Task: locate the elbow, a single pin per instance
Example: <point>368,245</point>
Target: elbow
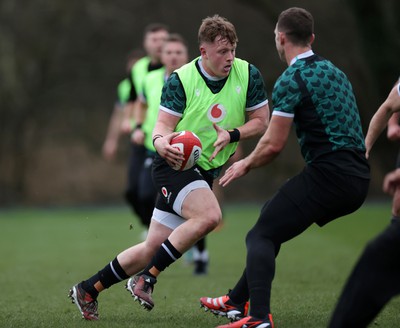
<point>262,126</point>
<point>275,150</point>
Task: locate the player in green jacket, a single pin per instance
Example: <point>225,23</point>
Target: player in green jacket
<point>223,100</point>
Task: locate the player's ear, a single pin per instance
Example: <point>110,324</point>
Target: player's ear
<point>281,38</point>
<point>203,51</point>
<point>312,38</point>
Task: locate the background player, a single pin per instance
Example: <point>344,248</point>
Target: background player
<point>155,35</point>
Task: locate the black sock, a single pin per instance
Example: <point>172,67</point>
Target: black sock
<point>111,274</point>
<point>240,293</point>
<point>166,255</point>
<point>201,244</point>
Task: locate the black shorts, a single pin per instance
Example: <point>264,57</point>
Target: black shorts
<point>173,186</point>
<point>315,195</point>
<point>323,195</point>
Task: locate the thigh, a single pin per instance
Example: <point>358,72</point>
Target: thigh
<point>324,195</point>
<point>307,198</point>
<point>201,203</point>
<point>280,220</point>
<point>341,196</point>
<point>166,217</point>
<point>174,186</point>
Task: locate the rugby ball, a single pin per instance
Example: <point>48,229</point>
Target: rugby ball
<point>190,145</point>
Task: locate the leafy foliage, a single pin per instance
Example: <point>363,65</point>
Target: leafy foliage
<point>60,62</point>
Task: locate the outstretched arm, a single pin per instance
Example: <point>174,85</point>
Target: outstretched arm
<point>380,120</point>
<point>268,147</point>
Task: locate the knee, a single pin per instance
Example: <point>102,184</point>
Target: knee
<point>252,236</point>
<point>257,239</point>
<point>211,220</point>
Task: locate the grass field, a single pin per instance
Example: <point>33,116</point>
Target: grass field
<point>43,252</point>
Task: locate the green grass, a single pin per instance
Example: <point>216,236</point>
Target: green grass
<point>43,252</point>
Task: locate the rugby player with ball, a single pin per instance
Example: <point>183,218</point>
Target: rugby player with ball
<point>220,98</point>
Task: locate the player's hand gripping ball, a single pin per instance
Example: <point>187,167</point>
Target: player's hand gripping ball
<point>190,145</point>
